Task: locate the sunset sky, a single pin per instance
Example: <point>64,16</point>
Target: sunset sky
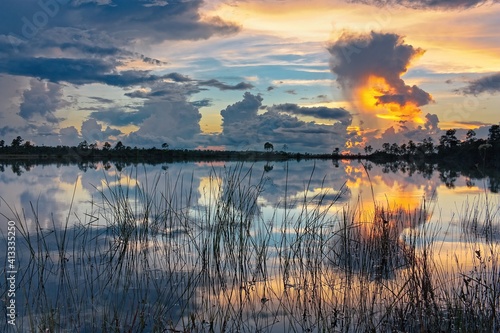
<point>311,75</point>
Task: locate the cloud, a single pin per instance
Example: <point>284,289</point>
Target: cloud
<point>177,77</point>
<point>490,83</point>
<point>132,20</point>
<point>202,103</point>
<point>102,100</point>
<point>245,128</point>
<point>85,42</point>
<point>165,116</point>
<point>172,121</point>
<point>170,91</point>
<point>241,111</point>
<point>321,112</point>
<point>92,131</point>
<point>75,71</point>
<point>390,135</point>
<point>431,123</point>
<point>357,57</point>
<point>222,86</point>
<point>42,99</point>
<point>69,136</point>
<point>428,4</point>
<point>119,117</point>
<point>369,69</point>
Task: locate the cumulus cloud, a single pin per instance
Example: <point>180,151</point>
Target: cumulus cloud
<point>244,127</point>
<point>69,136</point>
<point>92,131</point>
<point>165,116</point>
<point>357,57</point>
<point>42,99</point>
<point>490,84</point>
<point>321,112</point>
<point>241,111</point>
<point>432,122</point>
<point>428,4</point>
<point>83,42</point>
<point>169,121</point>
<point>11,88</point>
<point>369,69</point>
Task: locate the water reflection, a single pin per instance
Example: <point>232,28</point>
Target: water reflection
<point>46,191</point>
<point>236,246</point>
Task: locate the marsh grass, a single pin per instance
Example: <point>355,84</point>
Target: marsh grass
<point>156,256</point>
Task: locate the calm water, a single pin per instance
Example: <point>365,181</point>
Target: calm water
<point>290,194</point>
<point>49,190</point>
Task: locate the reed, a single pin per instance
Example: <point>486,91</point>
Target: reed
<point>157,257</point>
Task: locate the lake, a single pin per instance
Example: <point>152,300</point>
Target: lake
<point>228,246</point>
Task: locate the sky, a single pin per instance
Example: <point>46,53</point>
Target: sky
<point>307,76</point>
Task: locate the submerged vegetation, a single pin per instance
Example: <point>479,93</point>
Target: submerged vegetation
<point>148,259</point>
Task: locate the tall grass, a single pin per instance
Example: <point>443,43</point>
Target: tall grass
<point>157,257</point>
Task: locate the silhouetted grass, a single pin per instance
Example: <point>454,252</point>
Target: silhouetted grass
<point>156,257</point>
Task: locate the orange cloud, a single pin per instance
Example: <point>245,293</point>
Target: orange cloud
<point>369,69</point>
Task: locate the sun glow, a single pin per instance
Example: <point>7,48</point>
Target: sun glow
<point>370,94</point>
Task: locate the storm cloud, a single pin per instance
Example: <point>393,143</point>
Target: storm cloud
<point>369,68</point>
<point>355,58</point>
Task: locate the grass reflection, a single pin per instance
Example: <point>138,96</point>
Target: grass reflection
<point>152,256</point>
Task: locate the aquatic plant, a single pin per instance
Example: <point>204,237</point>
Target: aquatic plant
<point>152,256</point>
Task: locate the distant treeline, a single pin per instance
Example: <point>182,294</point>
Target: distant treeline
<point>449,152</point>
<point>91,152</point>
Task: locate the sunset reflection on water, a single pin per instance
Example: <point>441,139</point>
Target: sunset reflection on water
<point>267,247</point>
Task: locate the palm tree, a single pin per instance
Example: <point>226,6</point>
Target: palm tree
<point>494,134</point>
<point>268,146</point>
<point>17,142</point>
<point>119,146</point>
<point>83,145</point>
